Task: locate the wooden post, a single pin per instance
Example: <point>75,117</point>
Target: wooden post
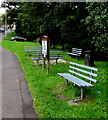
<point>56,61</point>
<point>44,62</point>
<point>48,55</point>
<point>46,51</point>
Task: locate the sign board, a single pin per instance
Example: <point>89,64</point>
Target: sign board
<point>46,51</point>
<point>44,46</point>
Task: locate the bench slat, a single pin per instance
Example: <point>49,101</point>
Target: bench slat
<point>75,54</point>
<point>79,52</point>
<point>36,58</point>
<point>55,51</point>
<point>38,52</point>
<point>59,57</point>
<point>79,49</point>
<point>40,58</point>
<point>39,55</point>
<point>69,53</point>
<point>56,54</point>
<point>93,74</point>
<point>32,48</point>
<point>75,80</point>
<point>91,68</point>
<point>93,80</point>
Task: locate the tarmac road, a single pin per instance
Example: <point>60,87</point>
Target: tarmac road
<point>16,99</point>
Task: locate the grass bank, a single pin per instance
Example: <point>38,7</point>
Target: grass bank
<point>51,94</point>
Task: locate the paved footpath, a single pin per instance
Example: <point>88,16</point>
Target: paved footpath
<point>0,77</point>
<point>16,98</point>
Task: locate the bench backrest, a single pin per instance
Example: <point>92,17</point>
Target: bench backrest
<point>83,71</point>
<point>52,54</point>
<point>37,54</point>
<point>32,48</point>
<point>77,51</point>
<point>56,53</point>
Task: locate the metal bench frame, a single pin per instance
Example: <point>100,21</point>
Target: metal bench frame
<point>77,69</point>
<point>75,52</point>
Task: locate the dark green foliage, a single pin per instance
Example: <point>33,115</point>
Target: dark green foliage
<point>97,26</point>
<point>67,24</point>
<point>60,21</point>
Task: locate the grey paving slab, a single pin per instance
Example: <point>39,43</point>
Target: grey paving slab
<point>17,101</point>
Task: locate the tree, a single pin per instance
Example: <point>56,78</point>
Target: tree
<point>59,20</point>
<point>12,10</point>
<point>97,25</point>
<point>30,19</point>
<point>72,31</point>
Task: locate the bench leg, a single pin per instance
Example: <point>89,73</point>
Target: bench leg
<point>44,63</point>
<point>37,62</point>
<point>28,54</point>
<point>56,61</point>
<point>66,82</point>
<point>81,93</point>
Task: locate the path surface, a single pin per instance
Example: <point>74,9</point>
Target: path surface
<point>16,98</point>
<point>0,77</point>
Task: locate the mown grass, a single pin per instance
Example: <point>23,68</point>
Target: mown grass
<point>46,88</point>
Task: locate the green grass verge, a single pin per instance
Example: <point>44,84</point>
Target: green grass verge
<point>10,35</point>
<point>46,89</point>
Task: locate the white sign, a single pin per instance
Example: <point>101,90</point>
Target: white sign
<point>44,47</point>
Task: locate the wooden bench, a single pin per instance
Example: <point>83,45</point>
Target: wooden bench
<point>75,52</point>
<point>53,55</point>
<point>82,71</point>
<point>32,49</point>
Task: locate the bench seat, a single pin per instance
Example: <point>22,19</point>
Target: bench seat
<point>56,57</point>
<point>77,81</point>
<point>36,58</point>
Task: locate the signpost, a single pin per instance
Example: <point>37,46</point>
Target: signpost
<point>44,46</point>
<point>45,51</point>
